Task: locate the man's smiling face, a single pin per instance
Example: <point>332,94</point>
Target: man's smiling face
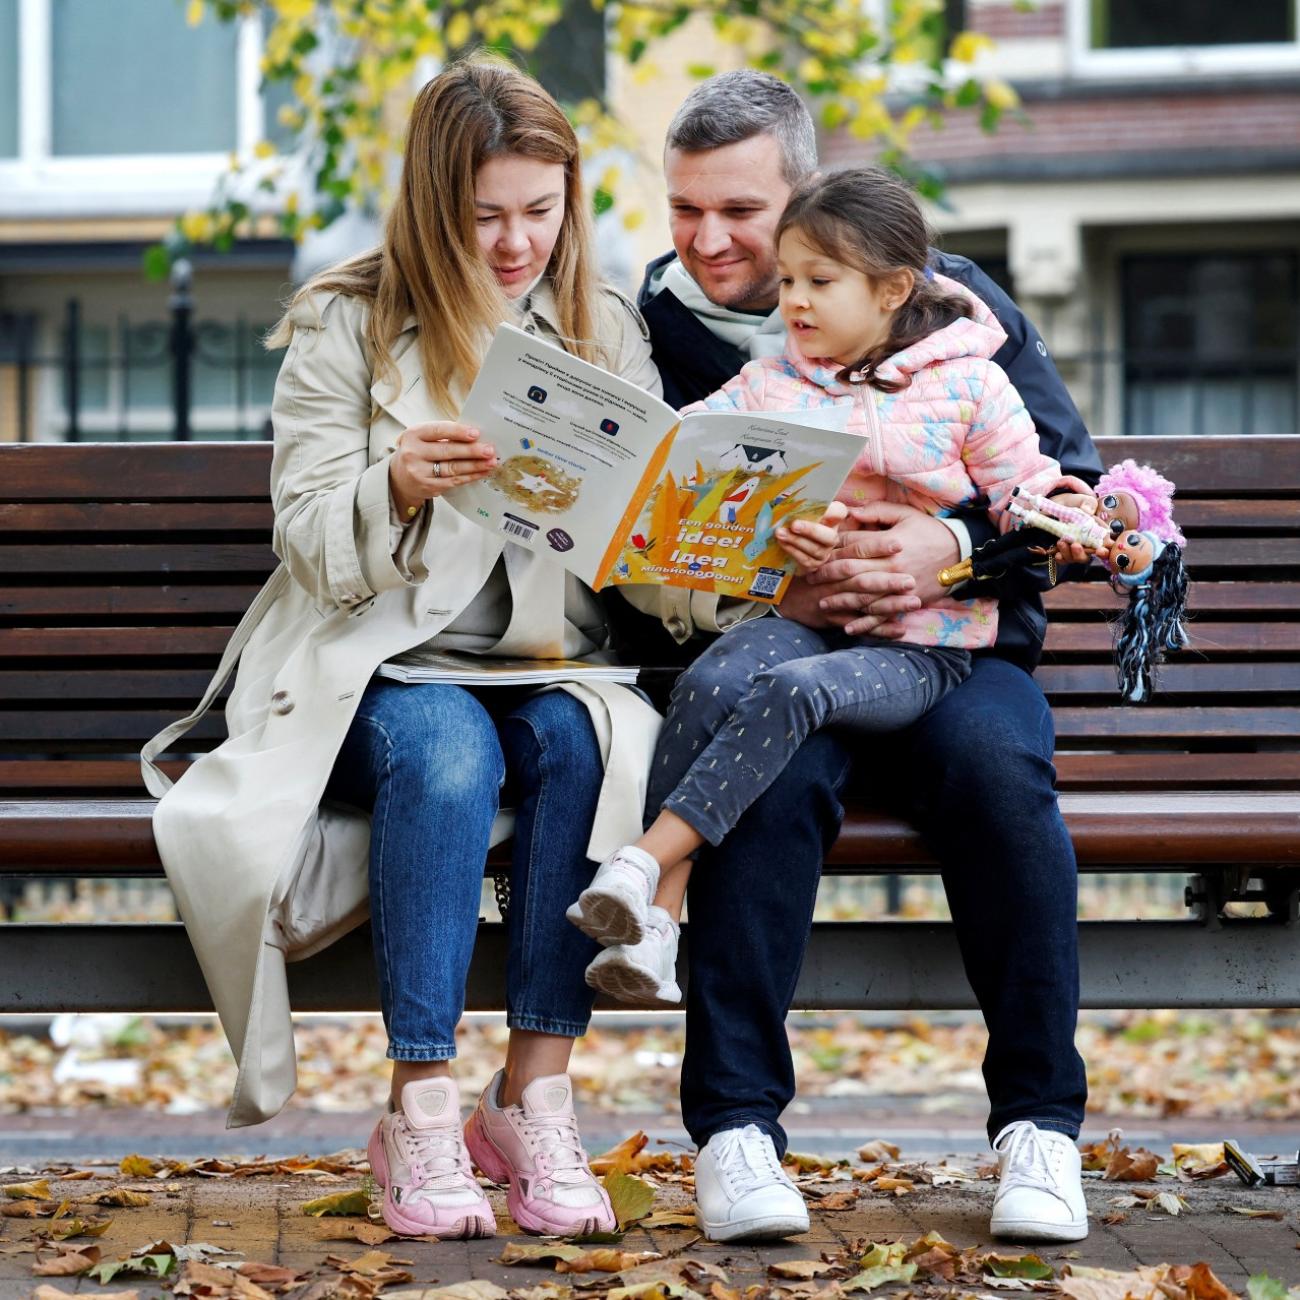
<point>723,206</point>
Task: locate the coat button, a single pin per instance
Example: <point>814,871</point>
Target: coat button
<point>677,625</point>
<point>282,703</point>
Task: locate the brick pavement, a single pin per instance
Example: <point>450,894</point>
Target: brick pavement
<point>262,1218</point>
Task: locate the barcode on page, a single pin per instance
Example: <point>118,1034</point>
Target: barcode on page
<point>766,582</point>
<point>517,529</point>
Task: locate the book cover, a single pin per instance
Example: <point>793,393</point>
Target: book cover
<point>604,477</point>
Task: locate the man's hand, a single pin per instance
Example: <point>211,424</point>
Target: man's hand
<point>888,566</point>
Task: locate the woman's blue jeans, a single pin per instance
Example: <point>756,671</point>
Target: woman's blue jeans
<point>431,763</point>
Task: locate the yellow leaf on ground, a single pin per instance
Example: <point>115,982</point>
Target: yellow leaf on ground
<point>1200,1160</point>
<point>605,1260</point>
<point>671,1219</point>
<point>115,1196</point>
<point>69,1262</point>
<point>135,1166</point>
<point>47,1292</point>
<point>37,1191</point>
<point>353,1202</point>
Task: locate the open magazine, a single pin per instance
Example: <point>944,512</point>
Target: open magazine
<point>455,669</point>
<point>609,480</point>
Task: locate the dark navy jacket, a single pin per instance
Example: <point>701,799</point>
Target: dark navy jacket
<point>694,362</point>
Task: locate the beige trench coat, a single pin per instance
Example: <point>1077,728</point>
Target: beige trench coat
<point>261,871</point>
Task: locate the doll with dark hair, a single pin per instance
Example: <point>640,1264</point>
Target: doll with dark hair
<point>1129,524</point>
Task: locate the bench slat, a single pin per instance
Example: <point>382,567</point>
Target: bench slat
<point>1239,597</point>
<point>184,684</point>
<point>1207,637</point>
<point>127,729</point>
<point>164,471</point>
<point>89,835</point>
<point>125,643</point>
<point>1263,465</point>
<point>1249,676</point>
<point>108,602</point>
<point>1097,725</point>
<point>171,558</point>
<point>137,517</point>
<point>1075,771</point>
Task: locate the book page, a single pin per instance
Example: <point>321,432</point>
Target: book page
<point>732,478</point>
<point>577,447</point>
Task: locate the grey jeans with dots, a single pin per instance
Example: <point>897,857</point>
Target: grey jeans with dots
<point>743,708</point>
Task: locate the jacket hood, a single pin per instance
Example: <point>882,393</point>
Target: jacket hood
<point>976,335</point>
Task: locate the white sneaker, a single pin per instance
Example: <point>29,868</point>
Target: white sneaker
<point>641,972</point>
<point>1040,1193</point>
<point>741,1191</point>
<point>613,908</point>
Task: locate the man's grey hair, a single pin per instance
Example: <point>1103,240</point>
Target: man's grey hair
<point>736,106</point>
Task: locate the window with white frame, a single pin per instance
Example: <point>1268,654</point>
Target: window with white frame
<point>1115,37</point>
<point>108,107</point>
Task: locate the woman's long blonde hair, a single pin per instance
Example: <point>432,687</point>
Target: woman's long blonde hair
<point>429,265</point>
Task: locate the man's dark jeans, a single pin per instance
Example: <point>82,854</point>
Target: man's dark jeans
<point>975,775</point>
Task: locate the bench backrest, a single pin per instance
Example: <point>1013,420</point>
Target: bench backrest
<point>124,568</point>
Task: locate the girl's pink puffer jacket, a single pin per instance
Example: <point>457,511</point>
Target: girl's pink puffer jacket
<point>957,435</point>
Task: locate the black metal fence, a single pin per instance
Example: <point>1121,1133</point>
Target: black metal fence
<point>187,378</point>
<point>171,380</point>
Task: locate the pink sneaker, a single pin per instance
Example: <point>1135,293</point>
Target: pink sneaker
<point>417,1155</point>
<point>535,1148</point>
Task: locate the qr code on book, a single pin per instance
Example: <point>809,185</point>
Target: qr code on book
<point>766,581</point>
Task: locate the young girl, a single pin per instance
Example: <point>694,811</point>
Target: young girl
<point>871,328</point>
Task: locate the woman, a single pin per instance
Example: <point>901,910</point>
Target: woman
<point>266,840</point>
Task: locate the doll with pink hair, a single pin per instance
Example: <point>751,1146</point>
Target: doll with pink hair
<point>1129,524</point>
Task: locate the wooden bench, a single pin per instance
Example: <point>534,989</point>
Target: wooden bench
<point>123,569</point>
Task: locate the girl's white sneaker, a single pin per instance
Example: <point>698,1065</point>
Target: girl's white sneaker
<point>613,908</point>
<point>642,972</point>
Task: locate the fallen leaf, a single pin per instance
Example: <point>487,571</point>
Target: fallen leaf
<point>1026,1266</point>
<point>878,1151</point>
<point>802,1270</point>
<point>27,1209</point>
<point>605,1261</point>
<point>275,1277</point>
<point>71,1261</point>
<point>899,1186</point>
<point>47,1292</point>
<point>37,1191</point>
<point>515,1252</point>
<point>1114,1218</point>
<point>671,1219</point>
<point>630,1198</point>
<point>474,1289</point>
<point>135,1166</point>
<point>1168,1202</point>
<point>808,1164</point>
<point>372,1234</point>
<point>838,1201</point>
<point>619,1159</point>
<point>115,1196</point>
<point>1247,1213</point>
<point>61,1229</point>
<point>153,1264</point>
<point>1263,1287</point>
<point>353,1202</point>
<point>1198,1161</point>
<point>870,1278</point>
<point>1127,1166</point>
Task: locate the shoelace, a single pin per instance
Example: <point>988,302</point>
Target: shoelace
<point>436,1157</point>
<point>556,1140</point>
<point>748,1160</point>
<point>1031,1162</point>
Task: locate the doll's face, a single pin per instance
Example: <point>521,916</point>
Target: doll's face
<point>1131,553</point>
<point>1118,511</point>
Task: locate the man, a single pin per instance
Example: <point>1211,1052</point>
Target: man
<point>975,775</point>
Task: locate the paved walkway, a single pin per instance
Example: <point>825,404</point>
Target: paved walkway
<point>261,1218</point>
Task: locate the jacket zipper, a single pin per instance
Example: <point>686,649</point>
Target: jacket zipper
<point>873,426</point>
